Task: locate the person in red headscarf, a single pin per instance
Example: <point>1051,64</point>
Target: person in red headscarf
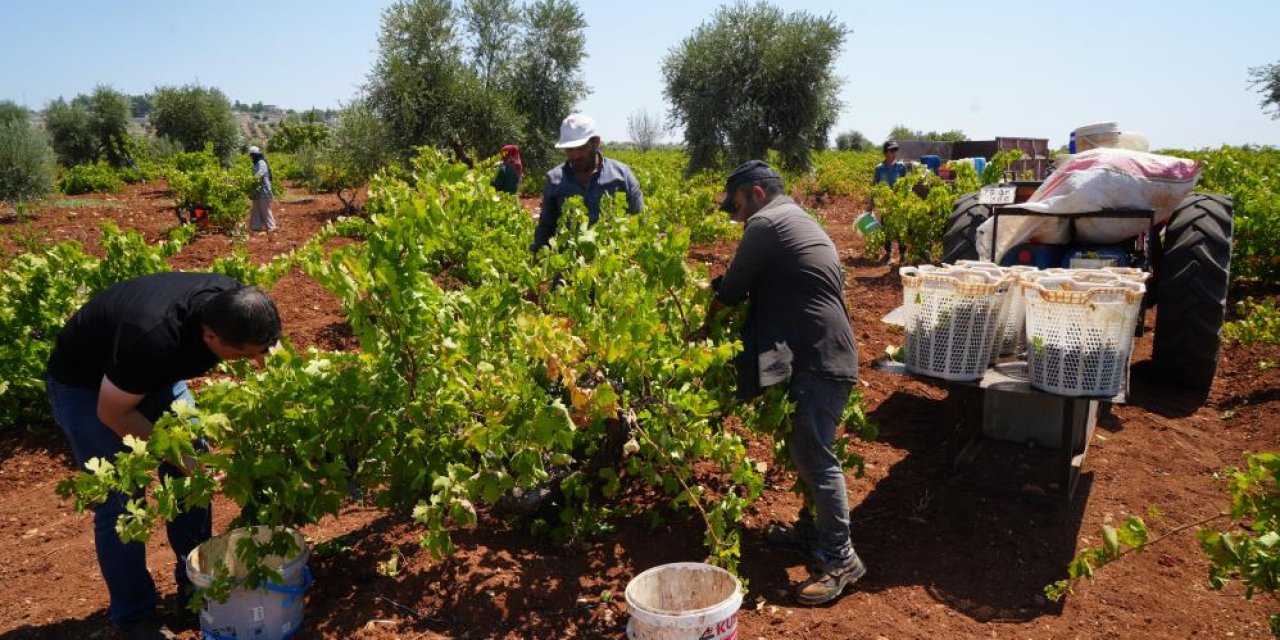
<point>511,172</point>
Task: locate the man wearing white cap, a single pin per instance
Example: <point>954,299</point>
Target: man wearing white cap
<point>586,174</point>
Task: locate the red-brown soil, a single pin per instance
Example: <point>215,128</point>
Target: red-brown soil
<point>943,562</point>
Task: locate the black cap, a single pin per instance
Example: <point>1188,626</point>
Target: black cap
<point>889,145</point>
<point>749,172</point>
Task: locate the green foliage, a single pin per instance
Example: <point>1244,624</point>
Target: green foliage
<point>109,125</point>
<point>69,133</point>
<point>913,213</point>
<point>901,132</point>
<point>477,375</point>
<point>1266,79</point>
<point>198,180</point>
<point>424,92</point>
<point>546,76</point>
<point>853,141</point>
<point>837,174</point>
<point>90,128</point>
<point>97,177</point>
<point>1132,535</point>
<point>754,79</point>
<point>357,149</point>
<point>1249,553</point>
<point>194,117</point>
<point>1248,175</point>
<point>995,169</point>
<point>1259,323</point>
<point>291,137</point>
<point>11,111</point>
<point>26,162</point>
<point>40,290</point>
<point>450,77</point>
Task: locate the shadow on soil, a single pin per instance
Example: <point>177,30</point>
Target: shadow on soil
<point>1149,393</point>
<point>501,582</point>
<point>92,627</point>
<point>985,556</point>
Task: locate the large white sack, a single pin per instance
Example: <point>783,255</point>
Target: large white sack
<point>1091,181</point>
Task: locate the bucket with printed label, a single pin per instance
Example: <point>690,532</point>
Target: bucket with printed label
<point>684,601</point>
<point>273,611</point>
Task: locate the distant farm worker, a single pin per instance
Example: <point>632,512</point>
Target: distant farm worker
<point>888,172</point>
<point>797,332</point>
<point>585,173</point>
<point>260,218</point>
<point>891,169</point>
<point>118,365</point>
<point>510,172</point>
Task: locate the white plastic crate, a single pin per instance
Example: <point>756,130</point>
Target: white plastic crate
<point>1080,333</point>
<point>951,318</point>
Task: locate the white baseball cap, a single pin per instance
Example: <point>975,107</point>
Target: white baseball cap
<point>576,130</point>
<point>254,150</point>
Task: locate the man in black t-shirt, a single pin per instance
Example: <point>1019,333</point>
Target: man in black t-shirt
<point>119,363</point>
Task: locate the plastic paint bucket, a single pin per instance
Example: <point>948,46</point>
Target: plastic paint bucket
<point>270,612</point>
<point>684,601</point>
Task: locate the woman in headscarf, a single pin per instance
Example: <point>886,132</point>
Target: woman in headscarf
<point>511,172</point>
<point>260,218</point>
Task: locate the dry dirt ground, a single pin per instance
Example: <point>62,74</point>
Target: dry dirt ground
<point>943,561</point>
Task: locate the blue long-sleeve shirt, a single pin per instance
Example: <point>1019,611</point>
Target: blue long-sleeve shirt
<point>889,173</point>
<point>612,177</point>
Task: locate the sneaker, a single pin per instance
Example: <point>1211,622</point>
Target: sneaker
<point>826,584</point>
<point>801,540</point>
<point>148,628</point>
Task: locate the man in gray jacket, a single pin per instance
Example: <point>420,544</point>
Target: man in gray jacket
<point>797,331</point>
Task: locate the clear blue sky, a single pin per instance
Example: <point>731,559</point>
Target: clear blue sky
<point>1173,69</point>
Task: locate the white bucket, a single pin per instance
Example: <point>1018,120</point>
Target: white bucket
<point>270,612</point>
<point>684,601</point>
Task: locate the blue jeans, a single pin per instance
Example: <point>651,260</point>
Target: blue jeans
<point>819,405</point>
<point>124,566</point>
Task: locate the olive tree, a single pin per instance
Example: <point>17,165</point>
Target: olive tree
<point>11,111</point>
<point>852,141</point>
<point>450,76</point>
<point>547,79</point>
<point>90,128</point>
<point>753,79</point>
<point>109,124</point>
<point>193,116</point>
<point>68,127</point>
<point>902,132</point>
<point>357,148</point>
<point>26,162</point>
<point>1266,79</point>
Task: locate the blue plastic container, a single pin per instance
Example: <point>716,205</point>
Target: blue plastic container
<point>933,162</point>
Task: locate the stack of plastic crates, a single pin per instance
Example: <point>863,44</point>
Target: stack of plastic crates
<point>952,317</point>
<point>1080,331</point>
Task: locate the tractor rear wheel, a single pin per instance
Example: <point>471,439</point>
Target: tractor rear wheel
<point>1191,291</point>
<point>960,235</point>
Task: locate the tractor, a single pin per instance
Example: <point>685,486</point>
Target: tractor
<point>1189,258</point>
